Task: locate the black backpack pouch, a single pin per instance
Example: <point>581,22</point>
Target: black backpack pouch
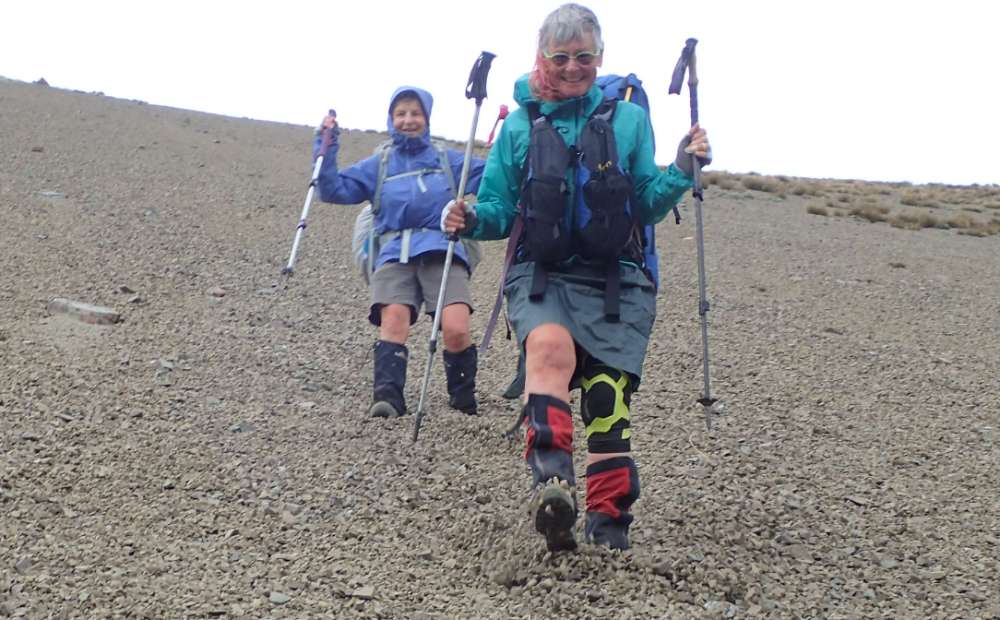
<point>606,193</point>
<point>545,195</point>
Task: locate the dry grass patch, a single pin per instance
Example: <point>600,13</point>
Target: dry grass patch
<point>722,180</point>
<point>872,213</point>
<point>981,229</point>
<point>916,221</point>
<point>805,189</point>
<point>759,183</point>
<point>920,198</point>
<point>816,210</point>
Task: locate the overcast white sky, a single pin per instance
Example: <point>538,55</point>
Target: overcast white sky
<point>875,90</point>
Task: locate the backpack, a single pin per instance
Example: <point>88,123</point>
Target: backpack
<point>364,236</point>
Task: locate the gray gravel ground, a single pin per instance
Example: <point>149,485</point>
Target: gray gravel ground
<point>209,456</point>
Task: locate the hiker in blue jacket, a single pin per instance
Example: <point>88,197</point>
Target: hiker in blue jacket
<point>410,261</point>
<point>580,295</point>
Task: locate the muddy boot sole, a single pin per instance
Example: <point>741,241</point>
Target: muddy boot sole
<point>383,409</point>
<point>555,515</point>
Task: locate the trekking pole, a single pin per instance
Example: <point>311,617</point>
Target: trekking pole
<point>324,146</point>
<point>687,63</point>
<point>475,89</point>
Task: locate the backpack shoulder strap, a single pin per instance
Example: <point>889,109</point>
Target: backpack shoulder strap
<point>442,151</point>
<point>382,151</point>
<point>606,110</point>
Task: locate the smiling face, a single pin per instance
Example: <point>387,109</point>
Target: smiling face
<point>571,67</point>
<point>408,117</point>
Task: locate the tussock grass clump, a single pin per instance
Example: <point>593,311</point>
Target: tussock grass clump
<point>960,220</point>
<point>982,229</point>
<point>816,210</point>
<point>872,213</point>
<point>918,198</point>
<point>916,221</point>
<point>722,180</point>
<point>757,183</point>
<point>805,189</point>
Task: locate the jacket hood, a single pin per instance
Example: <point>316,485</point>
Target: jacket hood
<point>426,101</point>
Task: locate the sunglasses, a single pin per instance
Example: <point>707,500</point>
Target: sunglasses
<point>561,59</point>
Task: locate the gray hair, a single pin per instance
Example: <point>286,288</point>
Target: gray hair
<point>568,22</point>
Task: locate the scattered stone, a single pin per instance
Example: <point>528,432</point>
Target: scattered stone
<point>365,593</point>
<point>23,565</point>
<point>279,598</point>
<point>87,313</point>
<point>216,291</point>
<point>801,553</point>
<point>857,500</point>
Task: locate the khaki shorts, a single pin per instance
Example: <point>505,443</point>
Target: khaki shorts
<point>416,283</point>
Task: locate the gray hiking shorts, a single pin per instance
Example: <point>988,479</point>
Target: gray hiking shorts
<point>416,283</point>
<point>574,298</point>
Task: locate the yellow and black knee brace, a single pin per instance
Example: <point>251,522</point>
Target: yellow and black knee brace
<point>607,395</point>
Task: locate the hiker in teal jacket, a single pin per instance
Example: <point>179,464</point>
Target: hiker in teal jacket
<point>574,329</point>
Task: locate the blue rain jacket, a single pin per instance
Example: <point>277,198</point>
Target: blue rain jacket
<point>412,201</point>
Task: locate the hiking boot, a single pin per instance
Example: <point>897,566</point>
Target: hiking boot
<point>390,377</point>
<point>384,409</point>
<point>603,529</point>
<point>460,371</point>
<point>554,508</point>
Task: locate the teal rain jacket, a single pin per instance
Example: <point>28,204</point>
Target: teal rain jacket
<point>500,190</point>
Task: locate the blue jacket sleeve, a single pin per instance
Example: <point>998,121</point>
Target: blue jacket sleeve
<point>350,186</point>
<point>476,167</point>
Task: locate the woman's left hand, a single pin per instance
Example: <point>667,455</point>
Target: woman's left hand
<point>699,145</point>
<point>694,143</point>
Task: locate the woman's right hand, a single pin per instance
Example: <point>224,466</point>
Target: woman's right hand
<point>457,216</point>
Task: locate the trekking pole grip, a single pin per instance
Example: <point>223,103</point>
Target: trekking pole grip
<point>686,64</point>
<point>476,88</point>
<point>324,145</point>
